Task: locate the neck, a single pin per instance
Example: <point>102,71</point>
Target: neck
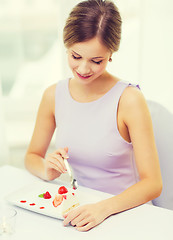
<point>95,86</point>
<point>93,90</point>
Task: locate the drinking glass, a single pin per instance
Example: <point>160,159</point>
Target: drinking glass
<point>7,220</point>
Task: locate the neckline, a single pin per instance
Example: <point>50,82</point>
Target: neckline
<point>91,102</point>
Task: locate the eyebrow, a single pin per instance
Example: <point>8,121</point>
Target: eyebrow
<point>81,56</point>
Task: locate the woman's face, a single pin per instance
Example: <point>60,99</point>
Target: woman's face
<point>88,60</point>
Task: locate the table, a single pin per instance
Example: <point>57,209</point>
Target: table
<point>144,222</point>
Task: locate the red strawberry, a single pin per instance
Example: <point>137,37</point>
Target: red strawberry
<point>62,190</point>
<point>46,195</point>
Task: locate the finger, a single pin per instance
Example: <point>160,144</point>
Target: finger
<point>57,162</point>
<point>55,167</point>
<point>79,220</point>
<point>85,228</point>
<point>70,216</point>
<point>57,158</point>
<point>66,149</point>
<point>63,152</point>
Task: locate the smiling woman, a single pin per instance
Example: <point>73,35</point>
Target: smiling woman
<point>103,125</point>
<point>31,37</point>
<point>32,57</point>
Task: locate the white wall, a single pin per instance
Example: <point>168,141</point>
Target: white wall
<point>157,51</point>
<point>3,143</point>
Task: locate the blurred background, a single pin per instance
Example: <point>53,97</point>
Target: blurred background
<point>32,57</point>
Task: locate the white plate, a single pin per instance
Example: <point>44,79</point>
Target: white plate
<point>30,195</point>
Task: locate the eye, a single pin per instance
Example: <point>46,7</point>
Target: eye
<point>97,62</point>
<point>73,56</point>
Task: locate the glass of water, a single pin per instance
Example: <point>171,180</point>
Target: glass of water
<point>7,220</point>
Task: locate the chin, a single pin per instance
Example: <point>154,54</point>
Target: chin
<point>84,80</point>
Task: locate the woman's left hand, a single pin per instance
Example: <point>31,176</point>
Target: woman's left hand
<point>85,217</point>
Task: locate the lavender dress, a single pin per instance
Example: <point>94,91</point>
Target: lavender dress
<point>101,159</point>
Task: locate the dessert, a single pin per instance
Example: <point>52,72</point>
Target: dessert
<point>65,200</point>
<point>45,195</point>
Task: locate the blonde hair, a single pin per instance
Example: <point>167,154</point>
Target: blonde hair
<point>91,18</point>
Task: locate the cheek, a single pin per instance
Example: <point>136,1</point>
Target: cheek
<point>72,64</point>
<point>100,68</point>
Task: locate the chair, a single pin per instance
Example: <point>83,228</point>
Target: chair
<point>163,130</point>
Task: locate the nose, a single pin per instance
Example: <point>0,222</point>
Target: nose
<point>84,68</point>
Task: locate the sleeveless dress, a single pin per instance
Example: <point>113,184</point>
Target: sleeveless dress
<point>100,158</point>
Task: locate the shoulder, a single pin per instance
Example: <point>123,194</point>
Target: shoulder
<point>48,98</point>
<point>50,91</point>
<point>132,95</point>
<point>54,89</point>
<point>133,104</point>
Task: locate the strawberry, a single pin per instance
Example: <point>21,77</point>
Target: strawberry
<point>57,200</point>
<point>47,195</point>
<point>62,190</point>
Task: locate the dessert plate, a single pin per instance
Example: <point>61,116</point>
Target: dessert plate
<point>28,198</point>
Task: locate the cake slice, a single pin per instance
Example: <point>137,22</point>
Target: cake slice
<point>65,200</point>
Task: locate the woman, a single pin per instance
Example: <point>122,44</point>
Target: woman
<point>103,124</point>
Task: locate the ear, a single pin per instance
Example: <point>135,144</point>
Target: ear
<point>110,58</point>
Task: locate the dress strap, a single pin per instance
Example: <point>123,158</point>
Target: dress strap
<point>134,85</point>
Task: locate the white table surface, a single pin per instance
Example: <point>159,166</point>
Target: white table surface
<point>144,222</point>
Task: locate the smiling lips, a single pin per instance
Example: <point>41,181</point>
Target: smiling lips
<point>83,77</point>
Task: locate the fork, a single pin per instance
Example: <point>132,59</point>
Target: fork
<point>72,180</point>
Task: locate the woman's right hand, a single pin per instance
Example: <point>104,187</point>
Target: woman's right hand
<point>54,163</point>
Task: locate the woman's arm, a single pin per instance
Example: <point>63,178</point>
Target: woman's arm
<point>51,167</point>
<point>135,116</point>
